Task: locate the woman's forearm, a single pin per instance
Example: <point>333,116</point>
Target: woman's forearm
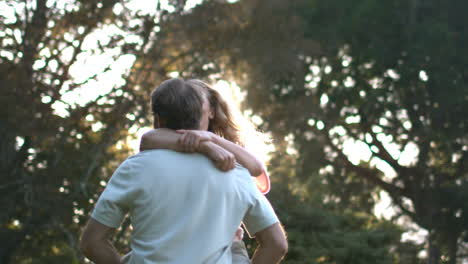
<point>161,138</point>
<point>245,158</point>
<point>164,138</point>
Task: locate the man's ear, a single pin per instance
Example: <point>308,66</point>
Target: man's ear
<point>156,121</point>
<point>159,122</point>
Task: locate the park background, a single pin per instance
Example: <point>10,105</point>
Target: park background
<point>365,102</point>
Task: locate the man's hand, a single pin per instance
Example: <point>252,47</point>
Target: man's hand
<point>190,140</point>
<point>223,159</point>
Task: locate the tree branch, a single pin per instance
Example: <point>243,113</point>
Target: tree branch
<point>372,176</point>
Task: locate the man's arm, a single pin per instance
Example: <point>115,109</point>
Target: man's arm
<point>95,243</point>
<point>272,247</point>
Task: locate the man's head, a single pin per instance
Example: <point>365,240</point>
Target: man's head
<point>176,104</point>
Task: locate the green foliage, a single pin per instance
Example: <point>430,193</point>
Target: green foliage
<point>57,152</point>
<point>390,75</point>
<point>317,235</point>
<point>325,227</point>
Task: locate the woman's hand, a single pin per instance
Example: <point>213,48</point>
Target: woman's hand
<point>190,140</point>
<point>222,159</point>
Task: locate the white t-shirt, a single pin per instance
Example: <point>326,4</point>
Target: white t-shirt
<point>182,209</point>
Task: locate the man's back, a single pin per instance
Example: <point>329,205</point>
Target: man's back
<point>183,210</point>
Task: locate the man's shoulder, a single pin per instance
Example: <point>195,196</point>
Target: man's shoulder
<point>152,152</point>
<point>242,173</point>
<point>244,179</point>
<point>162,153</point>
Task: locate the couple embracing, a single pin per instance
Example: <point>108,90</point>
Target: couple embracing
<point>188,190</point>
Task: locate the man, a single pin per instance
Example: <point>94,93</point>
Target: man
<point>183,210</point>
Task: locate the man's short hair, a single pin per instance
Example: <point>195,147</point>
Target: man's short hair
<point>178,103</point>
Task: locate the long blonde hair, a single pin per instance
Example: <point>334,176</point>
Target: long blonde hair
<point>223,122</point>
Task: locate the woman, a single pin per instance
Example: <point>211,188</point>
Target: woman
<point>217,125</point>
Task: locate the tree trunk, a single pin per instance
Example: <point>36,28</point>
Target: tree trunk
<point>10,241</point>
<point>7,148</point>
<point>452,246</point>
<point>433,250</point>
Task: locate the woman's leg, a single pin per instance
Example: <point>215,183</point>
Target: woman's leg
<point>239,253</point>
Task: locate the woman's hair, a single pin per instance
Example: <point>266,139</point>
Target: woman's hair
<point>223,122</point>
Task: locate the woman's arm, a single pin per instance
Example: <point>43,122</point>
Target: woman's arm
<point>200,141</point>
<point>161,138</point>
<point>168,139</point>
<point>247,160</point>
<point>190,140</point>
<point>244,157</point>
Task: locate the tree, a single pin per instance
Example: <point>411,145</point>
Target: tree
<point>378,78</point>
<point>323,229</point>
<point>320,73</point>
<point>58,148</point>
<point>230,39</point>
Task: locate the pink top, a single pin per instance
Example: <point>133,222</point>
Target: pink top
<point>263,182</point>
